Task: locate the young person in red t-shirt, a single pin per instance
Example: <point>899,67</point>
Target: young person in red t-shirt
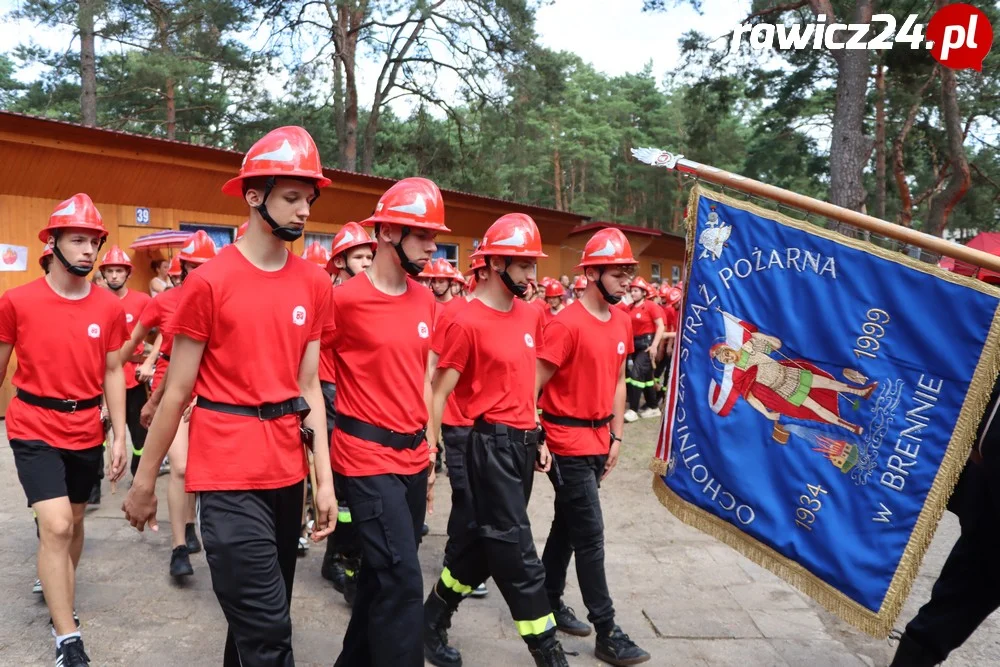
<point>579,284</point>
<point>441,274</point>
<point>647,331</point>
<point>554,305</point>
<point>246,343</point>
<point>582,368</point>
<point>116,267</point>
<point>67,335</point>
<point>488,361</point>
<point>381,337</point>
<point>157,315</point>
<point>670,301</point>
<point>353,253</point>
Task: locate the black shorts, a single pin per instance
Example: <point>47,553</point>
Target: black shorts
<point>48,472</point>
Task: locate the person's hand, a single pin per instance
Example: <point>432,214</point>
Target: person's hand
<point>544,460</point>
<point>118,458</point>
<point>773,416</point>
<point>144,372</point>
<point>187,411</point>
<point>431,478</point>
<point>612,461</point>
<point>146,414</point>
<point>140,507</point>
<point>326,512</point>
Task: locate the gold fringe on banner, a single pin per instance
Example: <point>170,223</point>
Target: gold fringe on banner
<point>877,623</point>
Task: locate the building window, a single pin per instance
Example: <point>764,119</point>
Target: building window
<point>675,274</point>
<point>449,251</point>
<point>221,235</point>
<point>325,240</point>
<point>655,270</point>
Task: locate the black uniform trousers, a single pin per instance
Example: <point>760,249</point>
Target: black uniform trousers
<point>968,588</point>
<point>578,527</point>
<point>462,518</point>
<point>135,398</point>
<point>344,540</point>
<point>499,542</point>
<point>639,382</point>
<point>387,620</point>
<point>251,543</point>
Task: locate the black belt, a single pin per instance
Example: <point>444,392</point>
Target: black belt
<point>513,434</point>
<point>642,342</point>
<point>165,356</point>
<point>263,412</point>
<point>59,404</point>
<point>383,436</point>
<point>573,421</point>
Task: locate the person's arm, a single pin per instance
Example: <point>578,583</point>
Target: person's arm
<point>544,370</point>
<point>442,385</point>
<point>153,402</point>
<point>657,337</point>
<point>324,496</point>
<point>617,424</point>
<point>146,367</point>
<point>5,351</point>
<point>140,503</point>
<point>114,395</point>
<point>135,340</point>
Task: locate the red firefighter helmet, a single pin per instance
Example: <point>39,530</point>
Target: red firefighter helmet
<point>288,152</point>
<point>607,247</point>
<point>46,253</point>
<point>351,235</point>
<point>242,230</point>
<point>411,202</point>
<point>199,249</point>
<point>77,212</point>
<point>674,297</point>
<point>477,263</point>
<point>175,266</point>
<point>544,282</point>
<point>664,291</point>
<point>430,270</point>
<point>317,254</point>
<point>115,257</point>
<point>580,282</point>
<point>641,283</point>
<point>554,289</point>
<point>512,235</point>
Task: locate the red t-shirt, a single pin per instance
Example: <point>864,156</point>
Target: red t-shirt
<point>495,353</point>
<point>327,371</point>
<point>643,317</point>
<point>255,325</point>
<point>156,316</point>
<point>381,366</point>
<point>548,315</point>
<point>588,355</point>
<point>61,347</point>
<point>134,303</point>
<point>445,316</point>
<point>670,318</point>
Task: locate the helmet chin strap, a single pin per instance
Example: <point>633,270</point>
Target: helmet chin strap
<point>285,233</point>
<point>408,265</point>
<point>347,267</point>
<point>608,296</point>
<point>517,290</point>
<point>74,269</point>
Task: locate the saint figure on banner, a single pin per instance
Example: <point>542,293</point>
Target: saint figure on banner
<point>776,387</point>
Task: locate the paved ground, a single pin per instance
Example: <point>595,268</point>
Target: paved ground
<point>686,598</point>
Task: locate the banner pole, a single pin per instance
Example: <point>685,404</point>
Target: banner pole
<point>661,158</point>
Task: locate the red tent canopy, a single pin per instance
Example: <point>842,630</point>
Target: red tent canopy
<point>985,241</point>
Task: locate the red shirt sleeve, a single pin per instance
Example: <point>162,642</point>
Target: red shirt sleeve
<point>119,329</point>
<point>195,312</point>
<point>540,323</point>
<point>457,348</point>
<point>322,323</point>
<point>150,316</point>
<point>8,320</point>
<point>558,344</point>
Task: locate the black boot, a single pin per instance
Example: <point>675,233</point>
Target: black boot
<point>191,538</point>
<point>180,563</point>
<point>911,654</point>
<point>548,652</point>
<point>437,620</point>
<point>615,647</point>
<point>95,495</point>
<point>333,569</point>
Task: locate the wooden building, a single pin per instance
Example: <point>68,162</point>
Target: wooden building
<point>143,185</point>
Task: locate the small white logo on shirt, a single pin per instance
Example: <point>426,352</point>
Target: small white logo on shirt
<point>299,315</point>
<point>94,331</point>
<point>528,340</point>
<point>129,318</point>
<point>638,315</point>
<point>621,347</point>
<point>423,330</point>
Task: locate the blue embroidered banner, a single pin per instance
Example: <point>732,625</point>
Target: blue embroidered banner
<point>824,396</point>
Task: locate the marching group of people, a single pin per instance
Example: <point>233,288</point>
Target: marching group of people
<point>268,386</point>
